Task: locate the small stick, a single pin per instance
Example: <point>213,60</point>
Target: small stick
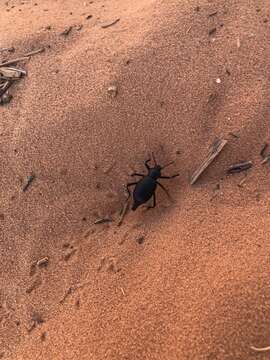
<point>105,26</point>
<point>34,52</point>
<point>10,49</point>
<point>122,290</point>
<point>28,182</point>
<point>188,30</point>
<point>242,181</point>
<point>10,62</point>
<point>263,155</point>
<point>262,152</point>
<point>260,349</point>
<point>43,262</point>
<point>67,31</point>
<point>68,292</point>
<point>213,14</point>
<point>267,158</point>
<point>23,58</point>
<point>212,154</point>
<point>234,135</point>
<point>123,213</point>
<point>239,167</point>
<point>102,221</point>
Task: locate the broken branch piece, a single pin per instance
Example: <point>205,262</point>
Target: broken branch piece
<point>212,154</point>
<point>240,167</point>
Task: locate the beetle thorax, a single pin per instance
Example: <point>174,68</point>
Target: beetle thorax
<point>155,172</point>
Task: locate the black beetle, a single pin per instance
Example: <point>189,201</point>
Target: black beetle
<point>146,187</point>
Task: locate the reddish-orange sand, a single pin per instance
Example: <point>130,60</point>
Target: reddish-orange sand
<point>197,285</point>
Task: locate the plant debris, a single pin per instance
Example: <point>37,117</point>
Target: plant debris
<point>111,23</point>
<point>242,182</point>
<point>103,221</point>
<point>263,155</point>
<point>14,61</point>
<point>123,213</point>
<point>11,73</point>
<point>8,75</point>
<point>267,158</point>
<point>34,52</point>
<point>43,262</point>
<point>212,154</point>
<point>264,148</point>
<point>67,31</point>
<point>267,348</point>
<point>29,180</point>
<point>213,14</point>
<point>235,135</point>
<point>236,168</point>
<point>212,31</point>
<point>68,292</point>
<point>37,319</point>
<point>9,49</point>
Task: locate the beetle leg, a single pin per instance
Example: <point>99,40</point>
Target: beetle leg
<point>127,187</point>
<point>165,190</point>
<point>169,177</point>
<point>146,164</point>
<point>137,174</point>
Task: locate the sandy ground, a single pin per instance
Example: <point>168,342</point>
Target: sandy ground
<point>186,280</point>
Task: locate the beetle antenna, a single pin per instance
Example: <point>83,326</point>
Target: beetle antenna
<point>153,156</point>
<point>170,163</point>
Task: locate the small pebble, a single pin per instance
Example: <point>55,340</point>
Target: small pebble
<point>112,90</point>
<point>43,262</point>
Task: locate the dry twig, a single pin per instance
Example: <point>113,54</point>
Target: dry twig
<point>212,154</point>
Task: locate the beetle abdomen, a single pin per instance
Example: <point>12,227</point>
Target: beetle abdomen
<point>144,190</point>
